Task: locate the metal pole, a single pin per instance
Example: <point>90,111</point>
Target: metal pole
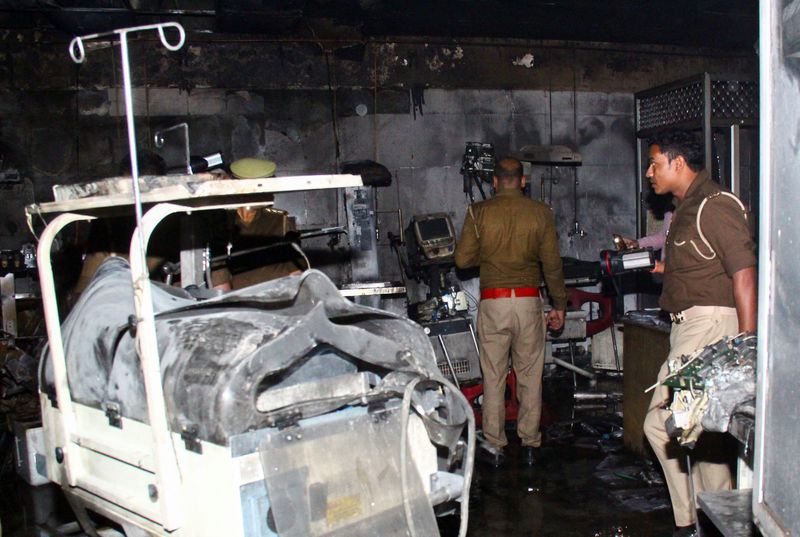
<point>736,180</point>
<point>126,85</point>
<point>691,492</point>
<point>449,362</point>
<point>167,474</point>
<point>574,369</point>
<point>474,339</point>
<point>639,186</point>
<point>707,119</point>
<point>614,345</point>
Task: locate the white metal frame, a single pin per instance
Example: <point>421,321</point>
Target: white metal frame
<point>82,445</point>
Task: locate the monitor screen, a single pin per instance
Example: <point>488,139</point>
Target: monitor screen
<point>433,228</point>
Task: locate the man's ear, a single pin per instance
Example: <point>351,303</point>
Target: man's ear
<point>680,163</point>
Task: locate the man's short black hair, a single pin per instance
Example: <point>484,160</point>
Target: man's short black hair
<point>674,143</point>
<point>508,169</point>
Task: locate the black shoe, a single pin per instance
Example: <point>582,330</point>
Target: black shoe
<point>492,457</point>
<point>529,455</point>
<point>685,531</point>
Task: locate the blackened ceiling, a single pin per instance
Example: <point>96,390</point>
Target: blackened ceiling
<point>723,24</point>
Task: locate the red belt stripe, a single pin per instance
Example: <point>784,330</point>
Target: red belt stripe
<point>508,292</point>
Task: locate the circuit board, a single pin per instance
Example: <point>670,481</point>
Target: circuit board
<point>726,354</point>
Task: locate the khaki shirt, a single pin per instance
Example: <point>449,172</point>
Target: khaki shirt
<point>516,234</point>
<point>690,279</point>
<point>264,227</point>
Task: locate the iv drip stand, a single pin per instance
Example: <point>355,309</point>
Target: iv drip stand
<point>167,474</point>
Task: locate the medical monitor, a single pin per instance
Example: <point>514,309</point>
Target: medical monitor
<point>434,234</point>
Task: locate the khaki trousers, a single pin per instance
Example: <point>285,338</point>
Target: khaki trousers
<point>515,324</point>
<point>710,471</point>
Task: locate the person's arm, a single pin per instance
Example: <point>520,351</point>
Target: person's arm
<point>657,240</point>
<point>745,295</point>
<point>730,237</point>
<point>468,248</point>
<point>553,271</point>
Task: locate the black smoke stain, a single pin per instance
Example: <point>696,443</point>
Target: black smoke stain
<point>590,129</point>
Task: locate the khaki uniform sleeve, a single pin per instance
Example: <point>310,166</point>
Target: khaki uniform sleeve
<point>467,252</point>
<point>552,266</point>
<point>729,234</point>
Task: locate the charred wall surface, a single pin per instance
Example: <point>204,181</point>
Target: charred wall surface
<point>311,105</point>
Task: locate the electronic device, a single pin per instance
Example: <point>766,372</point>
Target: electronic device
<point>549,155</point>
<point>430,243</point>
<point>11,261</point>
<point>434,236</point>
<point>18,261</point>
<point>710,385</point>
<point>199,164</point>
<point>478,160</point>
<point>455,300</point>
<point>450,303</point>
<point>615,262</point>
<point>206,162</point>
<point>477,166</point>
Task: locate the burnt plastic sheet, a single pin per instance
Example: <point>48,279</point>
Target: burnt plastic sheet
<point>219,355</point>
<point>727,391</point>
<point>633,483</point>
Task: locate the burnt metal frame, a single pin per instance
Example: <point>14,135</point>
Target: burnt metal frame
<point>221,194</point>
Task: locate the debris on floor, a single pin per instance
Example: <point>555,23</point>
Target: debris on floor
<point>583,484</point>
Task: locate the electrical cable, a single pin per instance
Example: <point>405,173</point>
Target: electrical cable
<point>472,298</point>
<point>302,253</point>
<point>29,221</point>
<point>469,456</point>
<point>393,244</point>
<point>405,411</point>
<point>332,87</point>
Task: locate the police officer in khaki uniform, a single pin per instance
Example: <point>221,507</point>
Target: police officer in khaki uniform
<point>508,236</point>
<point>710,292</point>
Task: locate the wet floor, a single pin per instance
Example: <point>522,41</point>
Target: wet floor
<point>584,484</point>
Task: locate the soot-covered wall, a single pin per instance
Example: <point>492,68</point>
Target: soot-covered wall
<point>309,106</point>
